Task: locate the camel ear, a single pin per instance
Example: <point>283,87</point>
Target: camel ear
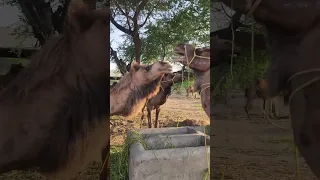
<point>134,66</point>
<point>79,14</point>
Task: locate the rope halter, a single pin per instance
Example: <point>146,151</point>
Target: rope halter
<point>201,90</point>
<point>194,55</point>
<point>168,81</point>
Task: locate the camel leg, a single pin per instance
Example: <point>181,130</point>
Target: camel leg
<point>276,107</point>
<point>149,118</point>
<point>246,109</point>
<point>141,120</point>
<point>264,114</point>
<point>157,116</point>
<point>105,157</point>
<point>142,117</point>
<point>271,102</point>
<point>142,113</point>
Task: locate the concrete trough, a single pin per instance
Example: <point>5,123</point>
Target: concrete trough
<point>171,153</point>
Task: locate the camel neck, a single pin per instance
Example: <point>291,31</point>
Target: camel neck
<point>129,100</point>
<point>166,84</point>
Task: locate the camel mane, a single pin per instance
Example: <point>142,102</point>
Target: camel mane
<point>85,98</point>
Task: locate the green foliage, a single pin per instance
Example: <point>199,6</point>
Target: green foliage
<point>119,156</point>
<point>244,71</point>
<point>5,63</point>
<point>242,74</point>
<point>182,86</point>
<point>175,21</point>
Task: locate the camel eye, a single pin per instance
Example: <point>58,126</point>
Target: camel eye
<point>148,68</point>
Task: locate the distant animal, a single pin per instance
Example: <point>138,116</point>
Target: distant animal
<point>260,90</point>
<point>190,89</point>
<point>160,98</point>
<point>13,72</point>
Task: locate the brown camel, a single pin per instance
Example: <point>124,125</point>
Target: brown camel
<point>142,82</point>
<point>293,28</point>
<point>160,98</point>
<point>13,72</point>
<point>198,59</point>
<point>261,90</point>
<point>54,114</point>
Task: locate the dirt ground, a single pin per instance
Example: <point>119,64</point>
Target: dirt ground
<point>240,149</point>
<point>177,109</point>
<point>245,150</point>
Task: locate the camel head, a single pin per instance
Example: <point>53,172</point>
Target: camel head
<point>169,79</point>
<point>145,74</point>
<point>142,82</point>
<point>177,77</point>
<point>195,58</point>
<point>87,32</point>
<point>172,78</point>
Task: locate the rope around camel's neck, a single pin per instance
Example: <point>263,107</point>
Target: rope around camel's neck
<point>204,85</point>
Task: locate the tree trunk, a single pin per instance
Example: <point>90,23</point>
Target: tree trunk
<point>39,18</point>
<point>121,65</point>
<point>137,44</point>
<point>58,17</point>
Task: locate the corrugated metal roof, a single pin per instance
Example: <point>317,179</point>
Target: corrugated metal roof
<point>7,40</point>
<point>219,20</point>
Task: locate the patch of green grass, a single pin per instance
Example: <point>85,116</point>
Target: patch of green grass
<point>119,167</point>
<point>22,175</point>
<point>281,139</point>
<point>286,140</point>
<point>91,173</point>
<point>119,158</point>
<point>5,63</point>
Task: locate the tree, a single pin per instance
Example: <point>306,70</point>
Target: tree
<point>241,27</point>
<point>130,16</point>
<point>41,17</point>
<point>176,27</point>
<point>120,63</point>
<point>170,24</point>
<point>244,71</point>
